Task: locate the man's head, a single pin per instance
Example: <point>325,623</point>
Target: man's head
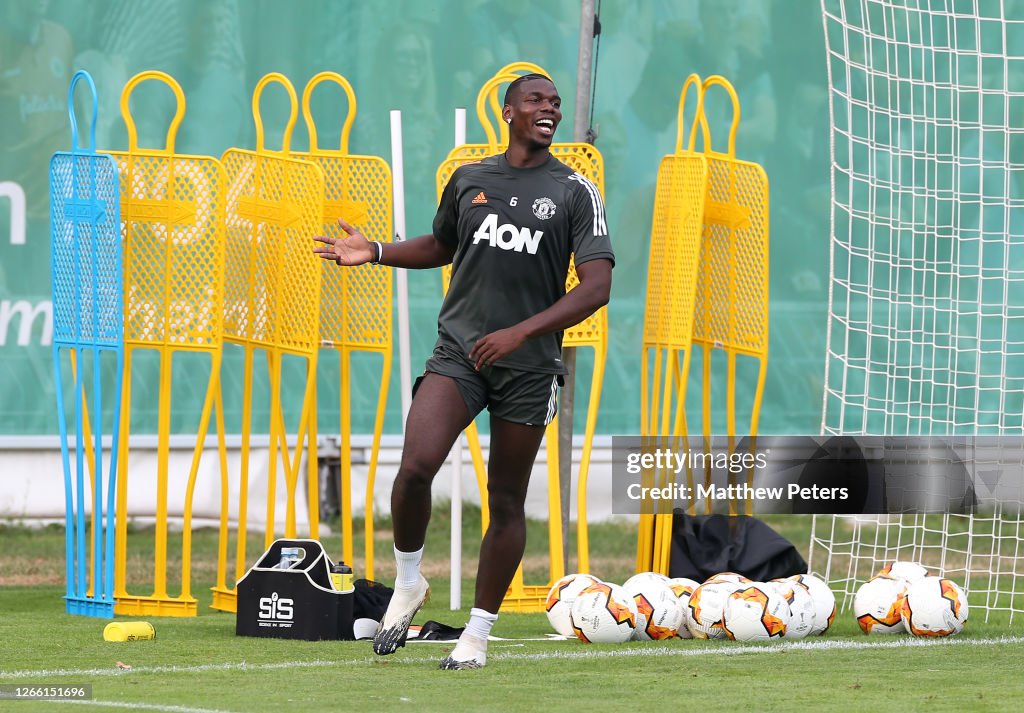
<point>516,86</point>
<point>532,109</point>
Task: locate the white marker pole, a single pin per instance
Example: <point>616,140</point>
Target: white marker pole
<point>455,601</point>
<point>398,193</point>
<point>460,126</point>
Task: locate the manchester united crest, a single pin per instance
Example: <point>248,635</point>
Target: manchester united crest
<point>543,208</point>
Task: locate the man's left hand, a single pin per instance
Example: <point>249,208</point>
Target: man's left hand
<point>496,345</point>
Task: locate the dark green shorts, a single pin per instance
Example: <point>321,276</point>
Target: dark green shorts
<point>514,395</point>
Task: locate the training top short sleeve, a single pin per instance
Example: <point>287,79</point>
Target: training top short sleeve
<point>513,231</point>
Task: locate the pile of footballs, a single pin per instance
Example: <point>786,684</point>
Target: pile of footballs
<point>905,597</point>
<point>652,607</point>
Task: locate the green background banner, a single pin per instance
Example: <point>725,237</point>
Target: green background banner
<point>424,58</point>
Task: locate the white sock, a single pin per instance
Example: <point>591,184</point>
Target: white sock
<point>408,568</point>
<point>480,623</point>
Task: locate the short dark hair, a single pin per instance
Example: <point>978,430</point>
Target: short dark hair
<point>514,86</point>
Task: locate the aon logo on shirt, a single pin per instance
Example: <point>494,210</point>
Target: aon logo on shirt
<point>507,236</point>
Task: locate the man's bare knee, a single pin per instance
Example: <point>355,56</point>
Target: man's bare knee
<point>505,510</point>
<point>417,472</point>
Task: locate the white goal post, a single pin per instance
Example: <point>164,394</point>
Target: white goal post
<point>926,298</point>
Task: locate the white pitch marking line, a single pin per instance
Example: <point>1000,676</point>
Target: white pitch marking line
<point>144,706</point>
<point>618,652</point>
<point>735,650</point>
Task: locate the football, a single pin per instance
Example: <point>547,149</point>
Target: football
<point>878,605</point>
<point>641,578</point>
<point>909,571</point>
<point>560,598</point>
<point>603,613</point>
<point>801,607</point>
<point>755,613</point>
<point>683,587</point>
<point>934,606</point>
<point>727,577</point>
<point>659,614</point>
<point>706,608</point>
<point>824,602</point>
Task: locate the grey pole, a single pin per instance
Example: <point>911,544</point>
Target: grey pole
<point>581,124</point>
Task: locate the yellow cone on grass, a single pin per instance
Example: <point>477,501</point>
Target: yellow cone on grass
<point>129,631</point>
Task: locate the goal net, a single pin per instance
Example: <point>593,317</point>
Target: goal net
<point>926,313</point>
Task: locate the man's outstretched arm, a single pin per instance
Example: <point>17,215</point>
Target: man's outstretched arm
<point>421,252</point>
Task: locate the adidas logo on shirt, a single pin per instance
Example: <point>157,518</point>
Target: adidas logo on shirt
<point>507,236</point>
<point>480,198</point>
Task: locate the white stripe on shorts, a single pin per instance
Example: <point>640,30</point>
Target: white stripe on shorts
<point>552,401</point>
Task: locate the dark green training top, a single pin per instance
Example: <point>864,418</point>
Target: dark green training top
<point>513,230</point>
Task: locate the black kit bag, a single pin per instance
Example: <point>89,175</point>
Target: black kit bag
<point>703,545</point>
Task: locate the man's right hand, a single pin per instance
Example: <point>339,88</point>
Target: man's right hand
<point>354,249</point>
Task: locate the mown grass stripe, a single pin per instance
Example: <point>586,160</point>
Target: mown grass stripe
<point>145,706</point>
<point>495,654</point>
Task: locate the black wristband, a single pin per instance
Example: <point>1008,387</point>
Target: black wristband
<point>379,249</point>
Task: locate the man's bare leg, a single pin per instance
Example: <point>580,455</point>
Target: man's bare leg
<point>513,452</point>
<point>437,416</point>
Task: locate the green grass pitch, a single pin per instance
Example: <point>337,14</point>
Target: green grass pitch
<point>199,664</point>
